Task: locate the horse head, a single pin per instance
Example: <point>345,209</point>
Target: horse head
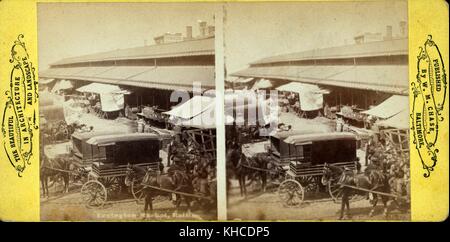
<point>131,173</point>
<point>330,173</point>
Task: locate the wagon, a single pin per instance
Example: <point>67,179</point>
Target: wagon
<point>297,161</point>
<point>110,155</point>
<point>304,157</point>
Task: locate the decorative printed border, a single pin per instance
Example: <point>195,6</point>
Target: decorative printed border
<point>19,116</point>
<point>429,90</point>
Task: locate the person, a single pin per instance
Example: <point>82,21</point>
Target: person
<point>326,111</point>
<point>176,148</point>
<point>127,111</point>
<point>339,124</point>
<point>178,164</point>
<point>399,187</point>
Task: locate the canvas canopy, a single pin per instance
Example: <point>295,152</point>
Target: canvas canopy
<point>99,88</point>
<point>392,106</point>
<point>243,80</point>
<point>311,96</point>
<point>191,108</point>
<point>206,120</point>
<point>46,81</point>
<point>62,85</point>
<point>112,102</point>
<point>262,84</point>
<point>399,121</point>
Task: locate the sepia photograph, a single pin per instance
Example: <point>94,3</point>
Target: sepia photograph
<point>317,95</point>
<point>122,88</point>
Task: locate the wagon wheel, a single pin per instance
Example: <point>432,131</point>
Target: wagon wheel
<point>94,194</point>
<point>79,175</point>
<point>137,189</point>
<point>309,183</point>
<point>335,191</point>
<point>113,185</point>
<point>291,193</point>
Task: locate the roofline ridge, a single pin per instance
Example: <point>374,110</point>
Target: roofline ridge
<point>260,61</point>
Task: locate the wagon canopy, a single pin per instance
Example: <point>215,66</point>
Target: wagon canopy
<point>83,150</point>
<point>116,138</point>
<point>295,139</point>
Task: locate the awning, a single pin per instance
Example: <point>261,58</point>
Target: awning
<point>46,81</point>
<point>206,120</point>
<point>62,85</point>
<point>302,87</point>
<point>100,88</point>
<point>112,102</point>
<point>262,84</point>
<point>311,97</point>
<point>192,107</point>
<point>243,80</point>
<point>390,107</point>
<point>399,121</point>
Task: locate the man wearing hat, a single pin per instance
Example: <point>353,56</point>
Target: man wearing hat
<point>176,148</point>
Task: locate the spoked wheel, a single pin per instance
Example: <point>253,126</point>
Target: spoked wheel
<point>335,191</point>
<point>310,184</point>
<point>137,189</point>
<point>79,176</point>
<point>291,193</point>
<point>94,194</point>
<point>113,185</point>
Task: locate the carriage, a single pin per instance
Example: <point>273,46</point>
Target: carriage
<point>110,155</point>
<point>298,161</point>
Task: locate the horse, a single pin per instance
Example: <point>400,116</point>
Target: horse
<point>175,180</point>
<point>58,167</point>
<point>243,167</point>
<point>372,179</point>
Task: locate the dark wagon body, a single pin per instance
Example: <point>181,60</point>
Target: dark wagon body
<point>299,160</point>
<point>110,155</point>
<point>81,149</point>
<point>314,149</point>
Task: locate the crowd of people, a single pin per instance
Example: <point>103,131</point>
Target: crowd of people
<point>382,154</point>
<point>184,156</point>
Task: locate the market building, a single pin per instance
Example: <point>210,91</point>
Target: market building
<point>139,77</point>
<point>350,79</point>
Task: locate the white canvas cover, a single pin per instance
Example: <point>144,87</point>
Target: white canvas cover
<point>72,112</point>
<point>111,102</point>
<point>191,108</point>
<point>100,88</point>
<point>311,96</point>
<point>390,107</point>
<point>262,84</point>
<point>62,85</point>
<point>399,121</point>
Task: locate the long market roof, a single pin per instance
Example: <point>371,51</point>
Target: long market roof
<point>161,77</point>
<point>195,47</point>
<point>368,49</point>
<point>384,77</point>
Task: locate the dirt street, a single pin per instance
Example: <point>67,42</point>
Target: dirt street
<point>267,206</point>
